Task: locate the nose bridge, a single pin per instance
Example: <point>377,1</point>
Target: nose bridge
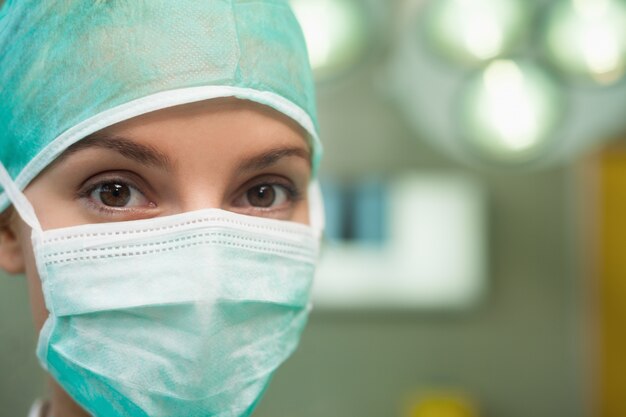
<point>202,196</point>
<point>202,176</point>
<point>196,191</point>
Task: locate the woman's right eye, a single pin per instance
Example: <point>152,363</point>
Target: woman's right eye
<point>117,194</point>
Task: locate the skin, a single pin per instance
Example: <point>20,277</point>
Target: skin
<point>227,153</point>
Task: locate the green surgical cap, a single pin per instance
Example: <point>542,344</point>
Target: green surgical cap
<point>69,68</point>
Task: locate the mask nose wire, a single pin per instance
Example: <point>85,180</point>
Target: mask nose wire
<point>19,200</point>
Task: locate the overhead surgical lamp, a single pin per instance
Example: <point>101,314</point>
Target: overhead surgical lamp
<point>475,31</point>
<point>587,38</point>
<point>509,111</point>
<point>335,32</point>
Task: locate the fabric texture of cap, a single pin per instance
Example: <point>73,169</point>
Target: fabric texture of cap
<point>69,68</point>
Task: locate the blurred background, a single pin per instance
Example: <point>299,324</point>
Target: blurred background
<point>475,180</point>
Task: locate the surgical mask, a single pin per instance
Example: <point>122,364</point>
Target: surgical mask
<point>185,315</point>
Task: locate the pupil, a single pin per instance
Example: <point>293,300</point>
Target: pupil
<point>262,196</point>
<point>115,195</point>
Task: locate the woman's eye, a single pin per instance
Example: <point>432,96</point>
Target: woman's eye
<point>117,195</point>
<point>267,196</point>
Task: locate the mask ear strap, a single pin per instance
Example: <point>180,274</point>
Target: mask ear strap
<point>316,208</point>
<point>19,200</point>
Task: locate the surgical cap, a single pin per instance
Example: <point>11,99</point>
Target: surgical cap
<point>69,68</point>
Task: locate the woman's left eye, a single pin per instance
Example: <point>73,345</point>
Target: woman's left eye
<point>265,196</point>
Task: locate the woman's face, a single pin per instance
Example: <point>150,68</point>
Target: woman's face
<point>228,154</point>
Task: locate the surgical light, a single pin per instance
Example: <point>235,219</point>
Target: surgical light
<point>475,31</point>
<point>509,111</point>
<point>588,38</point>
<point>335,32</point>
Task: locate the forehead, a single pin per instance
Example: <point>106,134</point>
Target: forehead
<point>219,124</point>
<point>227,107</point>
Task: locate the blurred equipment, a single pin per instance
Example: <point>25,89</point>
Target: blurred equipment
<point>336,33</point>
<point>509,110</point>
<point>606,201</point>
<point>587,38</point>
<point>475,31</point>
<point>418,241</point>
<point>443,404</point>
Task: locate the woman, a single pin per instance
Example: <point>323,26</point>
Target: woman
<point>158,163</point>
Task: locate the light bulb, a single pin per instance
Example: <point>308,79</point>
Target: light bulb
<point>587,38</point>
<point>475,31</point>
<point>335,32</point>
<point>509,111</point>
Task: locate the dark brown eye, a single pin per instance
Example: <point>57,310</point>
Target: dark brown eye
<point>266,198</point>
<point>114,194</point>
<point>261,196</point>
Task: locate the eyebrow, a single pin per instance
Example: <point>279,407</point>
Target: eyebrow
<point>143,154</point>
<point>149,156</point>
<point>271,157</point>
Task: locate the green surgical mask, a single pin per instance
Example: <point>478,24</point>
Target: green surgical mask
<point>186,315</point>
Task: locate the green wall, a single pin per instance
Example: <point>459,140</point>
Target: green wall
<point>21,381</point>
